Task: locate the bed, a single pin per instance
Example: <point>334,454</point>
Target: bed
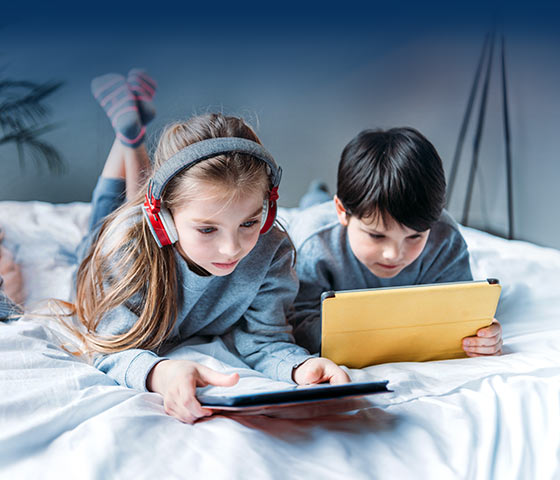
<point>478,418</point>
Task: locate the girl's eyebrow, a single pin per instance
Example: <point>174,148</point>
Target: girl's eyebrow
<point>211,222</point>
<point>258,211</point>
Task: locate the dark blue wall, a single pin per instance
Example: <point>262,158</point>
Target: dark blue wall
<point>308,78</point>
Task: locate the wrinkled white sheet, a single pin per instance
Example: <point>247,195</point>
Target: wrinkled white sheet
<point>481,418</point>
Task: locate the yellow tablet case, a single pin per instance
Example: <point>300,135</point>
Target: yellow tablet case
<point>405,324</point>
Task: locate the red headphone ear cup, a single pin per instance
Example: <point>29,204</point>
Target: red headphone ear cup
<point>156,226</point>
<point>270,216</point>
<point>264,215</point>
<point>168,225</point>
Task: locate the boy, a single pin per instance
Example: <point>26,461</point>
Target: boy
<point>386,227</point>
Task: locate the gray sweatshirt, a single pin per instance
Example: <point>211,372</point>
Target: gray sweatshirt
<point>325,262</point>
<point>247,308</point>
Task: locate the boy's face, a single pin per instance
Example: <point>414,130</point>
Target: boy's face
<point>384,249</point>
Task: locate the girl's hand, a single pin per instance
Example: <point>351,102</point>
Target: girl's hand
<point>487,341</point>
<point>176,381</point>
<point>319,370</point>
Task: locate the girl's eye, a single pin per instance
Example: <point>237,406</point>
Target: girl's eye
<point>249,224</point>
<point>206,230</point>
<point>415,237</point>
<point>375,236</point>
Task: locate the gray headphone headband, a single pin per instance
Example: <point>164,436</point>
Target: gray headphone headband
<point>196,152</point>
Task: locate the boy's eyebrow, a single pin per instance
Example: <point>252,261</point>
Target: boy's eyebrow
<point>377,232</point>
<point>373,230</point>
<point>210,222</point>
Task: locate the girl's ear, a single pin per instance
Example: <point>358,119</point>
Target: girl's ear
<point>341,212</point>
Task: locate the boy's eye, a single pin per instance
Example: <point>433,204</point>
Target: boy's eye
<point>206,230</point>
<point>376,236</point>
<point>415,237</point>
<point>249,224</point>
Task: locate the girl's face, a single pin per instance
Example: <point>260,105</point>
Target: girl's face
<point>384,249</point>
<point>215,232</point>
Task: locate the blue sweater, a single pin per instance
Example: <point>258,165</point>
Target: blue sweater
<point>247,308</point>
<point>325,262</point>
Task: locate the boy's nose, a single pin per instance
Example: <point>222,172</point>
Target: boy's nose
<point>391,252</point>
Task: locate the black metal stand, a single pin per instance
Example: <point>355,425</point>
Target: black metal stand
<point>488,46</point>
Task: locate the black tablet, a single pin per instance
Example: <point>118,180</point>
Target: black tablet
<point>293,396</point>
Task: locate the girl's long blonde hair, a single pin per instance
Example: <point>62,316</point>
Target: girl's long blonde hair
<point>125,267</point>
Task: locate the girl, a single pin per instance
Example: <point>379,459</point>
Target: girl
<point>186,254</point>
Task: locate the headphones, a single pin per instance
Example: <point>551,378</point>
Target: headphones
<point>159,218</point>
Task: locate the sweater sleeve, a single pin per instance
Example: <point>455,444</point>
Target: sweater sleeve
<point>129,368</point>
<point>313,274</point>
<point>263,337</point>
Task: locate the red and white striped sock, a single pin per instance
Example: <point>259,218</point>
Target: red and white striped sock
<point>113,94</point>
<point>143,87</point>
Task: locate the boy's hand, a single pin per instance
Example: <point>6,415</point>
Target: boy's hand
<point>487,341</point>
<point>176,381</point>
<point>319,370</point>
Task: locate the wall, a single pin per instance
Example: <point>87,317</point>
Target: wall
<point>308,83</point>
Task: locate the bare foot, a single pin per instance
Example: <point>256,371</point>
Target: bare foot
<point>11,274</point>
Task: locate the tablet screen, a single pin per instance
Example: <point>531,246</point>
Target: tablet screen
<point>295,395</point>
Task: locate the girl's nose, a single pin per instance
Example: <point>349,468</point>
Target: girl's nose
<point>230,246</point>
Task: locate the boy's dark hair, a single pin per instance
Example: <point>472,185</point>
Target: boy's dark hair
<point>393,173</point>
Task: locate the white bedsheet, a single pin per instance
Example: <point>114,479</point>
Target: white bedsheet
<point>480,418</point>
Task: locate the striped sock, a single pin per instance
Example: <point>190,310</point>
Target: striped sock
<point>143,87</point>
<point>113,94</point>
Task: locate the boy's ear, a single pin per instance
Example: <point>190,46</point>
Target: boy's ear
<point>341,211</point>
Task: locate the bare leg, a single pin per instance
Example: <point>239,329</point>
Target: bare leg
<point>138,168</point>
<point>114,165</point>
<point>131,164</point>
<point>128,104</point>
